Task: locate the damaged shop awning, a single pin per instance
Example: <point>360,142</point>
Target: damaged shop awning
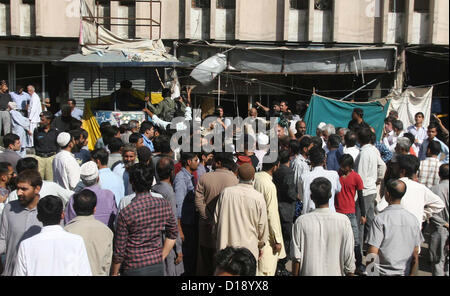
<point>284,60</point>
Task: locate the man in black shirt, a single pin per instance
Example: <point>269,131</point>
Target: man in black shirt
<point>45,145</point>
<point>5,117</point>
<point>357,121</point>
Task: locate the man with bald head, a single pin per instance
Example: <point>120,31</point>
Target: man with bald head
<point>240,217</point>
<point>394,237</point>
<point>165,170</point>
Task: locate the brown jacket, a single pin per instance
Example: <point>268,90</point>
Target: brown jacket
<point>208,190</point>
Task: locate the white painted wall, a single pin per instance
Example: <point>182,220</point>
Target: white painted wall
<point>323,24</point>
<point>225,23</point>
<point>298,25</point>
<point>4,11</point>
<point>420,28</point>
<point>396,28</point>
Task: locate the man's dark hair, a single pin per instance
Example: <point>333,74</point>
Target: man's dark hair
<point>76,134</point>
<point>364,136</point>
<point>320,191</point>
<point>126,84</point>
<point>334,140</point>
<point>31,177</point>
<point>346,160</point>
<point>166,93</point>
<point>317,141</point>
<point>225,158</point>
<point>409,163</point>
<point>141,177</point>
<point>47,114</point>
<point>84,202</point>
<point>359,112</point>
<point>350,139</point>
<point>419,113</point>
<point>397,124</point>
<point>144,154</point>
<point>305,142</point>
<point>4,168</point>
<point>433,125</point>
<point>49,210</point>
<point>443,171</point>
<point>27,163</point>
<point>396,188</point>
<point>104,126</point>
<point>284,156</point>
<point>294,147</point>
<point>100,154</point>
<point>10,139</point>
<point>146,125</point>
<point>134,138</point>
<point>275,103</point>
<point>236,261</point>
<point>434,147</point>
<point>390,119</point>
<point>410,137</point>
<point>124,127</point>
<point>316,156</point>
<point>185,156</point>
<point>164,168</point>
<point>162,144</point>
<point>115,144</point>
<point>73,101</point>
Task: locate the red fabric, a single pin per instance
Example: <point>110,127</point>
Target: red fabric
<point>412,152</point>
<point>345,200</point>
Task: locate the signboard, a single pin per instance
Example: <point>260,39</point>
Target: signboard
<point>119,117</point>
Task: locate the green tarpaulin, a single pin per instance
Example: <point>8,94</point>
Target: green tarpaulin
<point>339,113</point>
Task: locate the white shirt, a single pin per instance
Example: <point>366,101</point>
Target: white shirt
<point>418,199</point>
<point>35,108</point>
<point>390,140</point>
<point>306,180</point>
<point>53,252</point>
<point>353,151</point>
<point>323,243</point>
<point>370,167</point>
<point>420,135</point>
<point>66,170</point>
<point>20,100</point>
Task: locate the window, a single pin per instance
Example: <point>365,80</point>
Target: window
<point>421,5</point>
<point>226,4</point>
<point>397,6</point>
<point>323,4</point>
<point>201,3</point>
<point>299,4</point>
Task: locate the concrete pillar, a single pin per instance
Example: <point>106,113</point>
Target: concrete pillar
<point>311,21</point>
<point>238,20</point>
<point>212,20</point>
<point>385,14</point>
<point>15,17</point>
<point>409,9</point>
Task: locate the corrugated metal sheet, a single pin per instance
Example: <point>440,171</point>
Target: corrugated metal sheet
<point>88,82</point>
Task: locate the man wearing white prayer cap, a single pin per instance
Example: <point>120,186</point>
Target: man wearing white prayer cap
<point>66,171</point>
<point>106,208</point>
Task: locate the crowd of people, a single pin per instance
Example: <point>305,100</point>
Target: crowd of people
<point>336,203</point>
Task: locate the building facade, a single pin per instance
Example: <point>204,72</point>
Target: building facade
<point>275,48</point>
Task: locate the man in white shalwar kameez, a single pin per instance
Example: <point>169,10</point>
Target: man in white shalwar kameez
<point>20,125</point>
<point>34,111</point>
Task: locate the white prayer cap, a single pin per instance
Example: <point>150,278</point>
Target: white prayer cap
<point>63,139</point>
<point>12,105</point>
<point>321,125</point>
<point>263,139</point>
<point>89,171</point>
